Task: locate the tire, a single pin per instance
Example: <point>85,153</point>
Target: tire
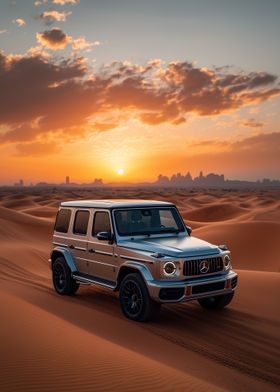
<point>62,279</point>
<point>217,302</point>
<point>135,301</point>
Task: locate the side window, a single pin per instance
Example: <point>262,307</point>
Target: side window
<point>166,218</point>
<point>62,221</point>
<point>101,222</point>
<point>81,222</point>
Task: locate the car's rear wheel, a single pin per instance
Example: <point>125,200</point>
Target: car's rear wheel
<point>63,282</point>
<point>135,301</point>
<point>216,302</point>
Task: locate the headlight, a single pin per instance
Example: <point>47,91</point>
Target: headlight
<point>227,262</point>
<point>169,268</point>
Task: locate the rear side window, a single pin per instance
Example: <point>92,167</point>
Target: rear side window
<point>62,221</point>
<point>101,222</point>
<point>81,222</point>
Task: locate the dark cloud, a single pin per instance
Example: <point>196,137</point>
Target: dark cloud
<point>40,96</point>
<point>27,89</point>
<point>252,123</point>
<point>264,142</point>
<point>104,126</point>
<point>207,92</point>
<point>54,39</point>
<point>37,148</point>
<point>257,155</point>
<point>238,82</point>
<point>210,143</point>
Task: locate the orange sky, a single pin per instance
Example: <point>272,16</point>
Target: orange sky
<point>63,114</point>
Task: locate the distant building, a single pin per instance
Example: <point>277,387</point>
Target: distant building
<point>97,182</point>
<point>181,180</point>
<point>20,183</point>
<point>67,180</point>
<point>163,180</point>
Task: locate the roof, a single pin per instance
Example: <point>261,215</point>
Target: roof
<point>115,203</point>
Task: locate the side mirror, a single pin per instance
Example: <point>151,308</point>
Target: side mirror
<point>189,230</point>
<point>104,236</point>
<point>223,247</point>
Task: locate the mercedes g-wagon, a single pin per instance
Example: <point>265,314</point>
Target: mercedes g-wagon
<point>142,249</point>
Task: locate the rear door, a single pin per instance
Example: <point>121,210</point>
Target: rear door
<point>103,263</point>
<point>78,243</point>
<point>62,228</point>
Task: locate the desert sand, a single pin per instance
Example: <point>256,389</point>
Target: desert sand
<point>83,343</point>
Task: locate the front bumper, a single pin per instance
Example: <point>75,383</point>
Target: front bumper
<point>190,289</point>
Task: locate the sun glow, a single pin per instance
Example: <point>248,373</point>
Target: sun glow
<point>120,172</point>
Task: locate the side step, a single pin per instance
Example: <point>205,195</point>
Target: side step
<point>84,278</point>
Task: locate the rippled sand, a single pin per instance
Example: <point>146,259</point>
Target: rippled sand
<point>83,343</point>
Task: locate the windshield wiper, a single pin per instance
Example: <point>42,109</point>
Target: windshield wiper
<point>171,230</point>
<point>149,233</point>
<point>138,233</point>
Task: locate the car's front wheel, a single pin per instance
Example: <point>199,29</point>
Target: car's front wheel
<point>216,302</point>
<point>63,282</point>
<point>135,301</point>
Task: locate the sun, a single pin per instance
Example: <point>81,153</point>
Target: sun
<point>120,172</point>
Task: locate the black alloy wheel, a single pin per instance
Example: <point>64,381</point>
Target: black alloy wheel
<point>135,300</point>
<point>63,282</point>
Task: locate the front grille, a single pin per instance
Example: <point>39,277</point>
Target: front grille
<point>234,282</point>
<point>205,288</point>
<point>191,267</point>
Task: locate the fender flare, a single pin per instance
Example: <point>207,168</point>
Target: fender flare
<point>60,251</point>
<point>139,267</point>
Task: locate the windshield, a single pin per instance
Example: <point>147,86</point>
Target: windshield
<point>147,221</point>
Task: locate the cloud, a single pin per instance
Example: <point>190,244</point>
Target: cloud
<point>257,155</point>
<point>26,84</point>
<point>37,3</point>
<point>65,99</point>
<point>265,142</point>
<point>252,123</point>
<point>37,149</point>
<point>209,143</point>
<point>54,39</point>
<point>207,92</point>
<point>104,127</point>
<point>82,44</point>
<point>64,2</point>
<point>258,151</point>
<point>20,22</point>
<point>36,51</point>
<point>49,17</point>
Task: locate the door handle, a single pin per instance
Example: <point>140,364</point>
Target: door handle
<point>91,250</point>
<point>71,246</point>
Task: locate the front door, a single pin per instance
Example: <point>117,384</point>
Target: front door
<point>102,260</point>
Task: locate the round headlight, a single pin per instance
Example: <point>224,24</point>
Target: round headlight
<point>169,268</point>
<point>227,263</point>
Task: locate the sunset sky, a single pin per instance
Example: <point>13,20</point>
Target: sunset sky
<point>125,90</point>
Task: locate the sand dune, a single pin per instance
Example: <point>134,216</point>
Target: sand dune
<point>216,212</point>
<point>53,343</point>
<point>254,245</point>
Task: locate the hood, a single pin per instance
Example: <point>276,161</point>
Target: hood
<point>172,246</point>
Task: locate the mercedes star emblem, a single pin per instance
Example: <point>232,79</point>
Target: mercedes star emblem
<point>204,266</point>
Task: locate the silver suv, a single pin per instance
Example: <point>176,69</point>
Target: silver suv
<point>141,248</point>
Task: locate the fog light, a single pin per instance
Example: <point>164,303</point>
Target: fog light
<point>227,262</point>
<point>169,268</point>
